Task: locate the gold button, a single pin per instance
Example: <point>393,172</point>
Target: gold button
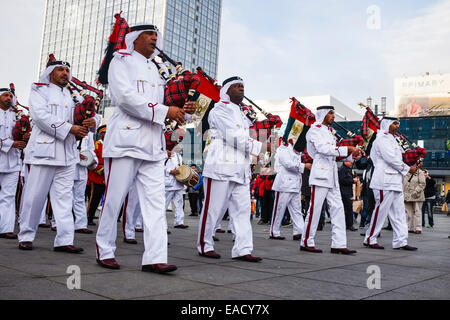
<point>6,127</point>
<point>153,85</point>
<point>45,141</point>
<point>66,107</point>
<point>68,121</point>
<point>128,127</point>
<point>149,68</point>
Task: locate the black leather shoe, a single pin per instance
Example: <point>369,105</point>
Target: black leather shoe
<point>181,226</point>
<point>297,237</point>
<point>311,250</point>
<point>216,239</point>
<point>344,251</point>
<point>68,249</point>
<point>26,246</point>
<point>84,231</point>
<point>248,258</point>
<point>130,241</point>
<point>220,231</point>
<point>210,254</point>
<point>352,229</point>
<point>407,248</point>
<point>159,268</point>
<point>278,238</point>
<point>9,236</point>
<point>374,246</point>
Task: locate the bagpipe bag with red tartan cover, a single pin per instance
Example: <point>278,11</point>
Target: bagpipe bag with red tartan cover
<point>23,122</point>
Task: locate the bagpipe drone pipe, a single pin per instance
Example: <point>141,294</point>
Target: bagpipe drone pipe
<point>371,124</point>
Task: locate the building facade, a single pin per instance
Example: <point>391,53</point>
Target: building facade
<point>77,31</point>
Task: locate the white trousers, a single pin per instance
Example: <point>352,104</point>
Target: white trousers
<point>177,197</point>
<point>293,202</point>
<point>131,214</point>
<point>337,214</point>
<point>149,178</point>
<point>392,204</point>
<point>79,204</point>
<point>59,182</point>
<point>8,187</point>
<point>219,195</point>
<point>43,219</point>
<point>230,222</point>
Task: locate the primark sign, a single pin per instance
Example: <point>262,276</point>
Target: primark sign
<point>423,85</point>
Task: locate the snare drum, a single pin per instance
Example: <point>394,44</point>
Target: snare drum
<point>187,176</point>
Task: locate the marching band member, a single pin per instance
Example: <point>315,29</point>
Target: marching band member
<point>387,185</point>
<point>227,173</point>
<point>134,148</point>
<point>131,213</point>
<point>287,187</point>
<point>96,178</point>
<point>174,188</point>
<point>52,154</point>
<point>9,164</point>
<point>321,146</point>
<point>79,188</point>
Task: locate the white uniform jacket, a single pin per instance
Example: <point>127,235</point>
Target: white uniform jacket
<point>9,156</point>
<point>229,154</point>
<point>174,162</point>
<point>321,146</point>
<point>51,142</point>
<point>289,167</point>
<point>137,92</point>
<point>388,162</point>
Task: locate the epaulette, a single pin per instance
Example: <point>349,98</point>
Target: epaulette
<point>41,84</point>
<point>386,133</point>
<point>319,126</point>
<point>123,53</point>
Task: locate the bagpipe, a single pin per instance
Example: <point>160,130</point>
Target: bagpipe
<point>87,108</point>
<point>412,153</point>
<point>300,121</point>
<point>23,120</point>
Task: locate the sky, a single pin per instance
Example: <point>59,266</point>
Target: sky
<point>351,49</point>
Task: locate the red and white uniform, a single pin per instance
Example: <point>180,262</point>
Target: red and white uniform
<point>387,185</point>
<point>321,146</point>
<point>9,171</point>
<point>287,187</point>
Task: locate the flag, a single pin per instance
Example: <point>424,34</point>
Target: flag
<point>369,129</point>
<point>300,121</point>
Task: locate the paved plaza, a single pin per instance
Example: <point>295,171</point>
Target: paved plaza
<point>285,274</point>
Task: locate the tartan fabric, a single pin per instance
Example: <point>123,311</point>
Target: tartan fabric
<point>306,158</point>
<point>87,87</point>
<point>411,157</point>
<point>370,121</point>
<point>353,142</point>
<point>177,91</point>
<point>173,138</point>
<point>302,113</point>
<point>21,127</point>
<point>259,127</point>
<point>84,110</point>
<point>122,31</point>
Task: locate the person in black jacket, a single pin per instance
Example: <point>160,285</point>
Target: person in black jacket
<point>346,181</point>
<point>430,200</point>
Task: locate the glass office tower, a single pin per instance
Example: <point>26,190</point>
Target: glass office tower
<point>77,31</point>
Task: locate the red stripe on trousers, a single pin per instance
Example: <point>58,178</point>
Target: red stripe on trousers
<point>104,200</point>
<point>205,216</point>
<point>275,213</point>
<point>376,218</point>
<point>124,216</point>
<point>311,212</point>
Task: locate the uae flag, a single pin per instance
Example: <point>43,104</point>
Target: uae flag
<point>300,121</point>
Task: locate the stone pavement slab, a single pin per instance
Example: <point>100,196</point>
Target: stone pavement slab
<point>285,273</point>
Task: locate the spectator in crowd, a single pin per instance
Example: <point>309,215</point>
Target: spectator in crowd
<point>346,181</point>
<point>306,193</point>
<point>430,200</point>
<point>257,193</point>
<point>267,200</point>
<point>414,187</point>
<point>194,195</point>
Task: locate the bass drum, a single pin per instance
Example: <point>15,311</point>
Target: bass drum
<point>187,176</point>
